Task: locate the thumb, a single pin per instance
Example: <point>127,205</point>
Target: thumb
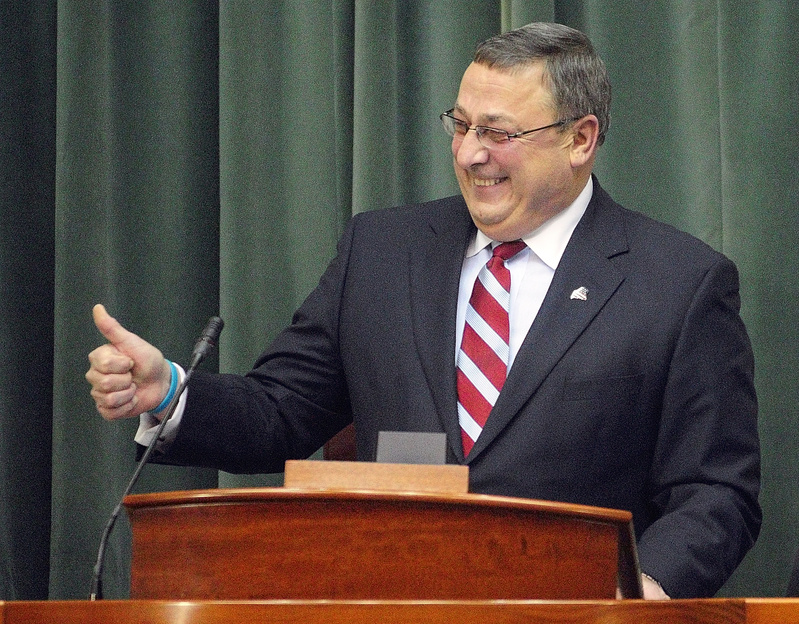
<point>128,354</point>
<point>110,328</point>
<point>146,360</point>
<point>144,355</point>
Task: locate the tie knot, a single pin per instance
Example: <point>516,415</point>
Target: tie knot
<point>508,250</point>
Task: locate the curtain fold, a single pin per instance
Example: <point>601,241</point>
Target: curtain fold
<point>176,160</point>
<point>27,195</point>
<point>137,228</point>
<point>285,166</point>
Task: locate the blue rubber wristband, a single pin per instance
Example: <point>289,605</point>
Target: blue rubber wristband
<point>173,385</point>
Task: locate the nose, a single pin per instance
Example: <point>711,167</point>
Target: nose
<point>467,150</point>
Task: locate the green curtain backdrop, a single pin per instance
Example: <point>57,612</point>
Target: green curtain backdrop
<point>175,159</point>
<point>27,200</point>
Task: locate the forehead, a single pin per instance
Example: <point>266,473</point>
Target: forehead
<point>488,94</point>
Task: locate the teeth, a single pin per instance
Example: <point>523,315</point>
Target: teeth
<point>491,182</point>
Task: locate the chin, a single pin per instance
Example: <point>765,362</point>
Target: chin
<point>487,214</point>
<point>497,230</point>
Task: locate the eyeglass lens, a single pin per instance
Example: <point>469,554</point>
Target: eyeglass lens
<point>488,137</point>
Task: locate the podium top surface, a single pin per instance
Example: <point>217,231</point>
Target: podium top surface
<point>283,494</point>
<point>710,611</point>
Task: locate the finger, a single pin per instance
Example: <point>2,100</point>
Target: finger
<point>124,411</point>
<point>107,359</point>
<point>104,383</point>
<point>114,400</point>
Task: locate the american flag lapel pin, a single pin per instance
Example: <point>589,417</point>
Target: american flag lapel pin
<point>580,293</point>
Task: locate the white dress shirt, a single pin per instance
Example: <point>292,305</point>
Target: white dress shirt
<point>531,270</point>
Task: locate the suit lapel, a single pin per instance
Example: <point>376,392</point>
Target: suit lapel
<point>561,319</point>
<point>435,266</point>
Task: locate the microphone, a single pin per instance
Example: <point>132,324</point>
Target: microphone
<point>207,341</point>
<point>204,345</point>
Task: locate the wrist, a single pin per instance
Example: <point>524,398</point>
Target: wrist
<point>173,384</point>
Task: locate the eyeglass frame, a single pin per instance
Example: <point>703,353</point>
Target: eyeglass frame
<point>481,130</point>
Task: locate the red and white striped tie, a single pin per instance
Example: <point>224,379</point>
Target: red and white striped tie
<point>483,357</point>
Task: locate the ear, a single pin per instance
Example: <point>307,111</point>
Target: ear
<point>585,133</point>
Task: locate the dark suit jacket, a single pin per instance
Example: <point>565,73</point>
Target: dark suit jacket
<point>639,398</point>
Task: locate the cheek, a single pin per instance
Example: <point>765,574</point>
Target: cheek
<point>533,174</point>
<point>454,146</point>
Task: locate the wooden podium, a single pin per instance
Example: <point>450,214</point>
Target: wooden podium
<point>318,541</point>
<point>714,611</point>
<point>320,553</point>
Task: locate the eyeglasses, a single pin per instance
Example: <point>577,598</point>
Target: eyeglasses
<point>489,137</point>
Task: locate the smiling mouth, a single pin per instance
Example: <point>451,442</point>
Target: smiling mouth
<point>487,182</point>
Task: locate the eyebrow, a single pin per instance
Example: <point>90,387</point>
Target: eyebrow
<point>487,119</point>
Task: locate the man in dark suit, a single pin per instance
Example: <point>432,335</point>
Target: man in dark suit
<point>626,372</point>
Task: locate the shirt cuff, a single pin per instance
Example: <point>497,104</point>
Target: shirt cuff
<point>653,589</point>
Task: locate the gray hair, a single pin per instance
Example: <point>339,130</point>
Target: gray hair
<point>576,75</point>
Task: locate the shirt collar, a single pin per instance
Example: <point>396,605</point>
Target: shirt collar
<point>549,241</point>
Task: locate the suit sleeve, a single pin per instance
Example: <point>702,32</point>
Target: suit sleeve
<point>704,481</point>
<point>287,406</point>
